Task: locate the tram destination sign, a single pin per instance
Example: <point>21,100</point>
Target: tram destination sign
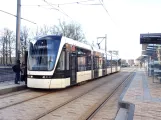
<point>153,38</point>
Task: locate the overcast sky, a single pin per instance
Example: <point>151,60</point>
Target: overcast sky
<point>123,25</point>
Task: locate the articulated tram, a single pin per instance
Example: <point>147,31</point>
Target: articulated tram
<point>58,62</point>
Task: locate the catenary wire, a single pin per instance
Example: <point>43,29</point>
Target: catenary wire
<point>16,16</point>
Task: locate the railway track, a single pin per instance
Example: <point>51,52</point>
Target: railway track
<point>108,98</point>
<point>13,101</point>
<point>13,94</point>
<point>88,114</point>
<point>83,90</point>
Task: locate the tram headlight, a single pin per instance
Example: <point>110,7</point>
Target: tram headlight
<point>30,76</point>
<point>47,77</point>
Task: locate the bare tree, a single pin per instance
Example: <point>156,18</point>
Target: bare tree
<point>2,42</point>
<point>44,30</point>
<point>6,43</point>
<point>2,45</point>
<point>40,31</point>
<point>24,39</point>
<point>1,55</point>
<point>10,41</point>
<point>71,30</point>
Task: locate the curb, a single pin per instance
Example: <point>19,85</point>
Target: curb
<point>130,107</point>
<point>12,89</point>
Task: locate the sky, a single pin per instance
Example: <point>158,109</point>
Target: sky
<point>123,22</point>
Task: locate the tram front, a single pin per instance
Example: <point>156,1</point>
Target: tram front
<point>42,58</point>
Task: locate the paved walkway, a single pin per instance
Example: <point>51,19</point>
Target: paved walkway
<point>10,83</point>
<point>146,96</point>
<point>10,86</point>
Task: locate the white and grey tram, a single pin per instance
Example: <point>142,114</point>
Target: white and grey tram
<point>59,62</point>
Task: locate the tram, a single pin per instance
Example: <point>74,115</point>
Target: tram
<point>58,62</point>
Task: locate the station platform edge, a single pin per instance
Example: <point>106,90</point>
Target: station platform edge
<point>141,99</point>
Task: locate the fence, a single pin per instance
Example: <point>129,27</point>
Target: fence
<point>6,72</point>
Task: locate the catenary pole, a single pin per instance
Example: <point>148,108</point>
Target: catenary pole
<point>18,24</point>
<point>106,50</point>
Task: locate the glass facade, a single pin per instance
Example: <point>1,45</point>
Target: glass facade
<point>153,61</point>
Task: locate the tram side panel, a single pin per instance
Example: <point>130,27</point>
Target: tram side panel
<point>74,65</point>
<point>99,64</point>
<point>74,68</point>
<point>83,65</point>
<point>119,65</point>
<point>115,64</point>
<point>108,64</point>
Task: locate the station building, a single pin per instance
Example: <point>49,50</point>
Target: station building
<point>151,54</point>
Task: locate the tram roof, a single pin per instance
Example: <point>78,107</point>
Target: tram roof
<point>77,43</point>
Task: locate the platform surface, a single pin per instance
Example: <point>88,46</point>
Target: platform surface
<point>10,86</point>
<point>146,95</point>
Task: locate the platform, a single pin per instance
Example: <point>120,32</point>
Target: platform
<point>145,95</point>
<point>9,86</point>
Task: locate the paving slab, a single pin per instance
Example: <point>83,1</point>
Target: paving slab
<point>145,95</point>
<point>9,86</point>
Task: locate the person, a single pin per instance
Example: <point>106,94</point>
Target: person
<point>140,64</point>
<point>25,73</point>
<point>17,69</point>
<point>22,74</point>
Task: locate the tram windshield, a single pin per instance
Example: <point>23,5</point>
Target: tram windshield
<point>43,54</point>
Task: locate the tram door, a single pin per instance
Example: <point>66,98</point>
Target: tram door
<point>96,69</point>
<point>25,66</point>
<point>73,68</point>
<point>104,70</point>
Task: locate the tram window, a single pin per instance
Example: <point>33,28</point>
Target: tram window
<point>114,63</point>
<point>82,63</point>
<point>61,62</point>
<point>119,62</point>
<point>103,64</point>
<point>67,60</point>
<point>108,63</point>
<point>88,63</point>
<point>100,63</point>
<point>84,59</point>
<point>96,63</point>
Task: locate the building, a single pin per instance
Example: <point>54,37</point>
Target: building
<point>131,62</point>
<point>123,61</point>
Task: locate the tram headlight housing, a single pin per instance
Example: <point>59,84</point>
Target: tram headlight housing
<point>30,76</point>
<point>47,77</point>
